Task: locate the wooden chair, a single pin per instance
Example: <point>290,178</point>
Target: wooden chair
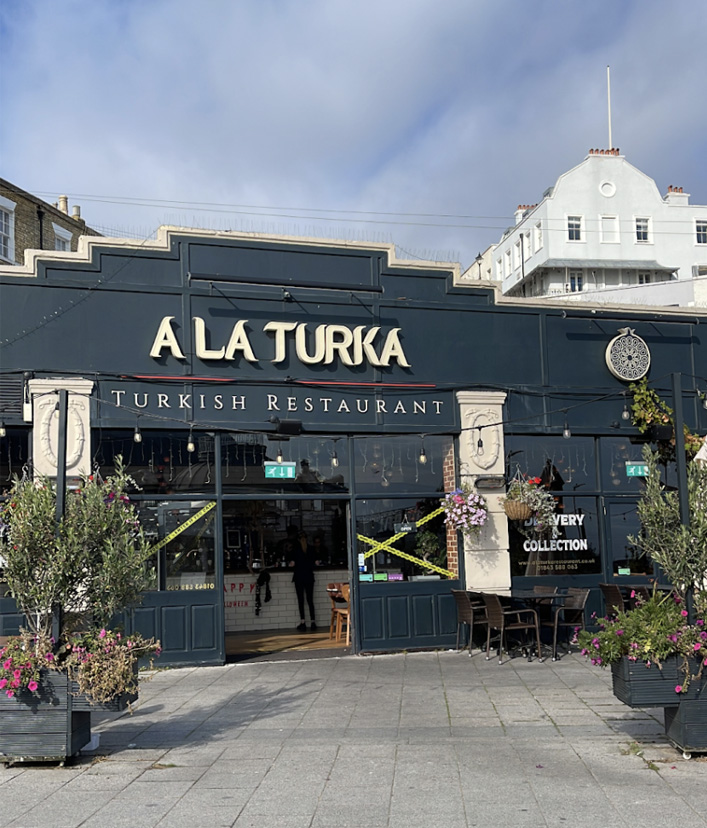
<point>334,592</point>
<point>470,609</point>
<point>343,616</point>
<point>569,614</point>
<point>503,619</point>
<point>613,599</point>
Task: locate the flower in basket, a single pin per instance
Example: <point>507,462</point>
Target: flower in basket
<point>527,499</point>
<point>466,511</point>
<point>651,632</point>
<point>104,663</point>
<point>21,660</point>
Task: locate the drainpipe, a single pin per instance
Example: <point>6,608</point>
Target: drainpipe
<point>40,222</point>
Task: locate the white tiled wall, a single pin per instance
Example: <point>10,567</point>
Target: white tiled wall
<point>281,611</point>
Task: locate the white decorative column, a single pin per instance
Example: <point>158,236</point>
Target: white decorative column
<point>44,394</point>
<point>487,561</point>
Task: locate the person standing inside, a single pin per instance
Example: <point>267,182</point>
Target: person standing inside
<point>303,579</point>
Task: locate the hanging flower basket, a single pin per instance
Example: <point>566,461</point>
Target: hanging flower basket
<point>466,511</point>
<point>517,510</point>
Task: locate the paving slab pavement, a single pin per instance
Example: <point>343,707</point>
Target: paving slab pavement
<point>387,741</point>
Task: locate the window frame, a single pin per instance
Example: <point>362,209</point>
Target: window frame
<point>701,230</point>
<point>62,237</point>
<point>575,225</point>
<point>615,232</point>
<point>8,208</point>
<point>639,232</point>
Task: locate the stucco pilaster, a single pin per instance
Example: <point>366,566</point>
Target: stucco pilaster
<point>487,562</point>
<point>44,394</point>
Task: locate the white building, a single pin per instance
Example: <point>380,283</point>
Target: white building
<point>604,233</point>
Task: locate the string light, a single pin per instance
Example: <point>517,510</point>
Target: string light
<point>191,447</point>
<point>3,430</point>
<point>423,456</point>
<point>334,460</point>
<point>137,436</point>
<point>480,444</point>
<point>566,433</point>
<point>279,455</point>
<point>625,414</point>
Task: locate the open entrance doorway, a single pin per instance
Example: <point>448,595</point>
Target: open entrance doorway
<point>280,557</point>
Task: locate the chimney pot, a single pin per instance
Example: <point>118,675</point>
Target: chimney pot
<point>76,212</point>
<point>64,204</point>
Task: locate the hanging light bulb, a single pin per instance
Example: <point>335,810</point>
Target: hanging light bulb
<point>279,455</point>
<point>625,414</point>
<point>566,433</point>
<point>334,460</point>
<point>191,447</point>
<point>479,444</point>
<point>423,456</point>
<point>137,436</point>
<point>3,430</point>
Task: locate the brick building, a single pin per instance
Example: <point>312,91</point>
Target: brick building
<point>28,223</point>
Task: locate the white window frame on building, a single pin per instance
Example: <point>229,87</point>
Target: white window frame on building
<point>7,230</point>
<point>516,255</point>
<point>644,231</point>
<point>527,251</point>
<point>575,228</point>
<point>576,281</point>
<point>609,226</point>
<point>701,231</point>
<point>644,278</point>
<point>499,268</point>
<point>62,237</point>
<point>507,269</point>
<point>538,241</point>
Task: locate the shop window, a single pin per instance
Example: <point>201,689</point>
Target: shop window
<point>566,465</point>
<point>575,550</point>
<point>298,465</point>
<point>406,463</point>
<point>161,462</point>
<point>182,533</point>
<point>622,524</point>
<point>397,540</point>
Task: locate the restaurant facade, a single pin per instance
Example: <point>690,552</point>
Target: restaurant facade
<point>261,389</point>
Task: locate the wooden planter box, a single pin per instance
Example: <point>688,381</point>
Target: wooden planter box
<point>639,686</point>
<point>43,726</point>
<point>686,726</point>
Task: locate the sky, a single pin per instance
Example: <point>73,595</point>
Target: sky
<point>422,123</point>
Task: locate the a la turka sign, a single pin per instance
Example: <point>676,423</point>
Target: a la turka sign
<point>322,345</point>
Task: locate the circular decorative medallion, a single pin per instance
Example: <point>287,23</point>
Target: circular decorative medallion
<point>627,356</point>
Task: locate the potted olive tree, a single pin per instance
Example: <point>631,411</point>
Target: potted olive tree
<point>69,580</point>
<point>657,650</point>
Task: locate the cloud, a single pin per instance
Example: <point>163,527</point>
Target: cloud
<point>460,109</point>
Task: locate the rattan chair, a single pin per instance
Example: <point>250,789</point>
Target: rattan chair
<point>504,619</point>
<point>613,599</point>
<point>569,614</point>
<point>470,610</point>
<point>343,616</point>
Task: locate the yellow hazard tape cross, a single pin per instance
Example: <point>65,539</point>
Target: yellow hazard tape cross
<point>182,526</point>
<point>387,545</point>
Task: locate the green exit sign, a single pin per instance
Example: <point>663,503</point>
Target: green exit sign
<point>636,470</point>
<point>280,471</point>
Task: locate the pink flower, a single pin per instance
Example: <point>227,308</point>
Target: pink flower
<point>683,613</point>
<point>3,683</point>
<point>678,688</point>
<point>102,633</point>
<point>696,647</point>
<point>32,686</point>
<point>10,694</point>
<point>17,674</point>
<point>633,593</point>
<point>7,664</point>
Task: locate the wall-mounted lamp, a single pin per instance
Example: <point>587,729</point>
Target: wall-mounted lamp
<point>191,447</point>
<point>287,296</point>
